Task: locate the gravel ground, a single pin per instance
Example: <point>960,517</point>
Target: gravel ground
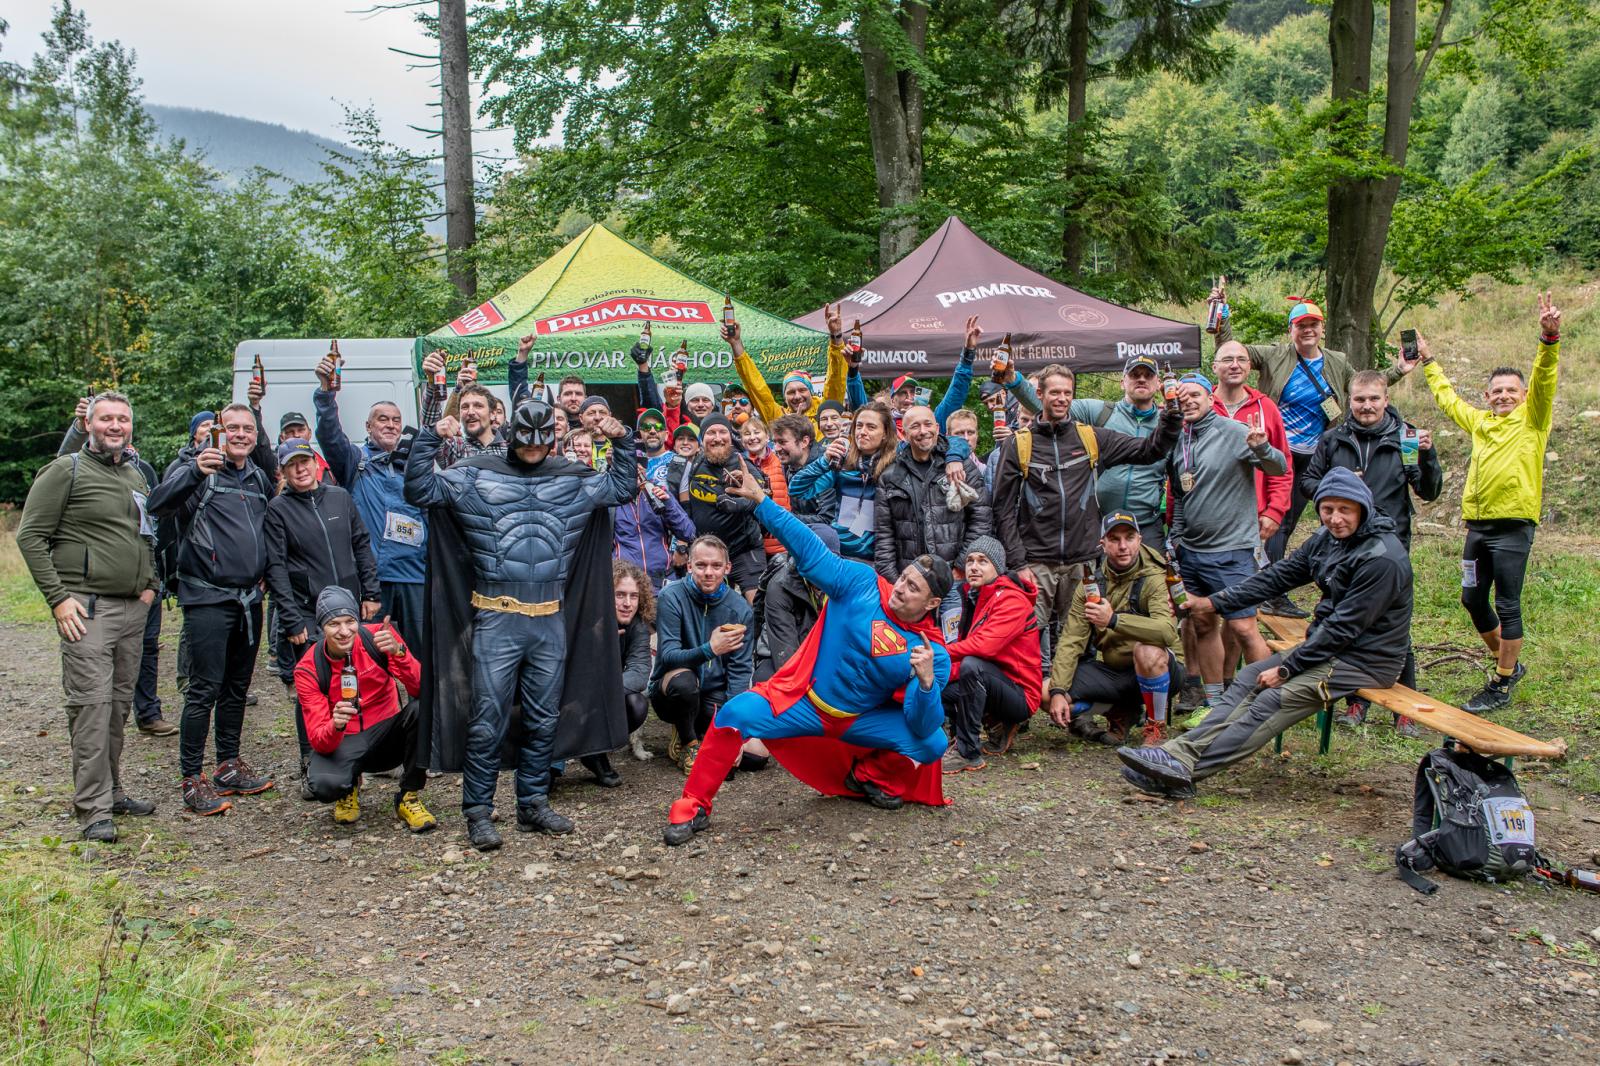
<point>1049,915</point>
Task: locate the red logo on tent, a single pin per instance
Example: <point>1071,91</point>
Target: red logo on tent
<point>625,308</point>
<point>485,316</point>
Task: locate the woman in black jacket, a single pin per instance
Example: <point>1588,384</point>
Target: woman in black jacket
<point>636,619</point>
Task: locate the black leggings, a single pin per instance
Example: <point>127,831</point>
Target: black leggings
<point>681,704</point>
<point>1496,552</point>
<point>638,708</point>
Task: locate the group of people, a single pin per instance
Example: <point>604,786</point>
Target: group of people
<point>835,581</point>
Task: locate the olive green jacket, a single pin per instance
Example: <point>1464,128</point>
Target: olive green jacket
<point>81,528</point>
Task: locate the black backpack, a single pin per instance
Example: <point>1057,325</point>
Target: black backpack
<point>1468,819</point>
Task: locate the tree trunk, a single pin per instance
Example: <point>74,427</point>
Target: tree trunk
<point>1360,209</point>
<point>460,211</point>
<point>1078,40</point>
<point>894,121</point>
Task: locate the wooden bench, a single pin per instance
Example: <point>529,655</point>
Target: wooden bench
<point>1479,734</point>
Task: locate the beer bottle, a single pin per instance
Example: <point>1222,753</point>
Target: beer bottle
<point>259,372</point>
<point>855,337</point>
<point>441,378</point>
<point>1000,366</point>
<point>349,691</point>
<point>1091,591</point>
<point>727,312</point>
<point>469,366</point>
<point>1175,589</point>
<point>1000,419</point>
<point>644,336</point>
<point>216,434</point>
<point>1217,309</point>
<point>1169,385</point>
<point>337,380</point>
<point>680,360</point>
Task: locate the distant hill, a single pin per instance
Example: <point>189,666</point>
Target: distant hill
<point>236,146</point>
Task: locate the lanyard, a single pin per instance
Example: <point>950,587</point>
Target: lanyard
<point>1300,361</point>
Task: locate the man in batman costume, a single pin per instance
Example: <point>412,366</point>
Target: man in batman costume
<point>536,531</point>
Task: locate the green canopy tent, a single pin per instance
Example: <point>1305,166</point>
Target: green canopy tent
<point>586,306</point>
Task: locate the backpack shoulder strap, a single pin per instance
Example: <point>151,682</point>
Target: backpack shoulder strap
<point>1024,450</point>
<point>1091,443</point>
<point>1106,411</point>
<point>372,649</point>
<point>1136,596</point>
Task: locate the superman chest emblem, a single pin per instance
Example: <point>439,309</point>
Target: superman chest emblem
<point>886,640</point>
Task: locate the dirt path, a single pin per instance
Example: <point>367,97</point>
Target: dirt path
<point>1049,915</point>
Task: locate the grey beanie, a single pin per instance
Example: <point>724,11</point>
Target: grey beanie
<point>334,602</point>
<point>990,547</point>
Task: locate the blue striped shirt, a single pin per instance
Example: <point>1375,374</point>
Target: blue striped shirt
<point>1301,405</point>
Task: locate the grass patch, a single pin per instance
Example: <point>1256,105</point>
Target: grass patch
<point>85,978</point>
<point>19,596</point>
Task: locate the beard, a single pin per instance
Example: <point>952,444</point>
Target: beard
<point>97,443</point>
<point>718,454</point>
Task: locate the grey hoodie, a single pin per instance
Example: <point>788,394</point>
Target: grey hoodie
<point>1218,513</point>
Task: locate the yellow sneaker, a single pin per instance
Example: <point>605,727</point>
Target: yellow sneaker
<point>687,755</point>
<point>348,809</point>
<point>418,818</point>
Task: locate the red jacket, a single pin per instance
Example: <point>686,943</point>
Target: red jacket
<point>1001,628</point>
<point>375,688</point>
<point>1272,490</point>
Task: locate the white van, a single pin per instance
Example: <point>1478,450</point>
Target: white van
<point>375,369</point>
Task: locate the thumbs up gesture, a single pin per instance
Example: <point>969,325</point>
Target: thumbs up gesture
<point>922,663</point>
<point>386,639</point>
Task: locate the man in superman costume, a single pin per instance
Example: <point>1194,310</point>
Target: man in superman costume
<point>857,710</point>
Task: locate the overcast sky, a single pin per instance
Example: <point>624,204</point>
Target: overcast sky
<point>292,62</point>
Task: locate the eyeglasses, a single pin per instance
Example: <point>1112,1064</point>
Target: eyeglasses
<point>739,401</point>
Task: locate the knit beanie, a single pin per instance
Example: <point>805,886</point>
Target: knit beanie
<point>990,548</point>
<point>335,601</point>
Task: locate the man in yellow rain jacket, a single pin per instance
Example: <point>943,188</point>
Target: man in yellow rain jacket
<point>1501,501</point>
<point>798,396</point>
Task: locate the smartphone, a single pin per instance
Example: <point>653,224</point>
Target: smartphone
<point>1408,345</point>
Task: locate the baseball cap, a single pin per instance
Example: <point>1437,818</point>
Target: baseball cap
<point>1136,361</point>
<point>292,418</point>
<point>1303,309</point>
<point>1194,377</point>
<point>294,449</point>
<point>651,412</point>
<point>989,388</point>
<point>1115,519</point>
<point>686,429</point>
<point>904,381</point>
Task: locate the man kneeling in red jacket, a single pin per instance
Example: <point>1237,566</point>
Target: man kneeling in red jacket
<point>995,674</point>
<point>353,715</point>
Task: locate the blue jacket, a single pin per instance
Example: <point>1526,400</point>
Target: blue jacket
<point>377,482</point>
<point>1137,489</point>
<point>644,537</point>
<point>521,523</point>
<point>685,618</point>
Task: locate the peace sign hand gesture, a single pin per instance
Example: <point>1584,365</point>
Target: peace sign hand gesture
<point>1549,316</point>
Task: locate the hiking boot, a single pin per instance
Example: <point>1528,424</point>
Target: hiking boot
<point>753,764</point>
<point>684,819</point>
<point>1001,736</point>
<point>251,699</point>
<point>1155,733</point>
<point>306,792</point>
<point>347,808</point>
<point>1407,727</point>
<point>1158,763</point>
<point>235,778</point>
<point>481,833</point>
<point>158,727</point>
<point>102,832</point>
<point>1496,694</point>
<point>540,817</point>
<point>687,754</point>
<point>1354,715</point>
<point>133,808</point>
<point>956,763</point>
<point>201,798</point>
<point>409,809</point>
<point>1282,606</point>
<point>872,793</point>
<point>1191,694</point>
<point>1150,786</point>
<point>605,775</point>
<point>674,746</point>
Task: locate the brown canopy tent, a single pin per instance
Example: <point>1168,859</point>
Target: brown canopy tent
<point>913,315</point>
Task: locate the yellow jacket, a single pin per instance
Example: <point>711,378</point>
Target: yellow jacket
<point>1505,478</point>
<point>833,386</point>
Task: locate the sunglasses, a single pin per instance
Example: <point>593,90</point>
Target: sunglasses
<point>652,427</point>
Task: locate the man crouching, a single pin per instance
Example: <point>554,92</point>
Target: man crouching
<point>353,715</point>
<point>1358,639</point>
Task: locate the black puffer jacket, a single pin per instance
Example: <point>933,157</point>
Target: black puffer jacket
<point>1364,617</point>
<point>912,518</point>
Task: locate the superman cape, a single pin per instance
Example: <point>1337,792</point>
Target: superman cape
<point>593,719</point>
<point>823,762</point>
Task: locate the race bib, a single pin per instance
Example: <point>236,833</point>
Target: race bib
<point>402,529</point>
<point>1510,820</point>
<point>147,528</point>
<point>1469,573</point>
<point>855,514</point>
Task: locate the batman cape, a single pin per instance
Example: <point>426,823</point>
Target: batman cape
<point>593,717</point>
